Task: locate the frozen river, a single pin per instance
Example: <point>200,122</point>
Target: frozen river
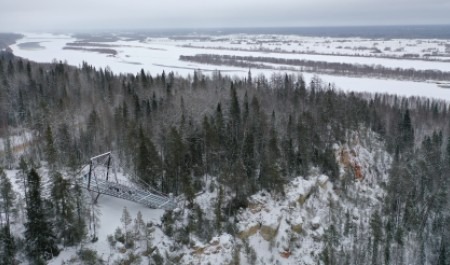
<point>157,54</point>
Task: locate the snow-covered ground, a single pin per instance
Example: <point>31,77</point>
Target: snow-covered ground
<point>435,49</point>
<point>110,213</point>
<point>157,54</point>
<point>17,142</point>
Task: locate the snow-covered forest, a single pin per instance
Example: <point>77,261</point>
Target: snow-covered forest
<point>265,169</point>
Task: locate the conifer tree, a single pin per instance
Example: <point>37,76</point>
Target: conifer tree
<point>126,221</point>
<point>208,145</point>
<point>7,243</point>
<point>175,160</point>
<point>147,161</point>
<point>443,260</point>
<point>406,132</point>
<point>50,150</point>
<point>23,174</point>
<point>63,144</point>
<point>245,110</point>
<point>8,247</point>
<point>94,220</point>
<point>139,225</point>
<point>8,196</point>
<point>218,209</point>
<point>233,128</point>
<point>270,176</point>
<point>66,225</point>
<point>248,157</point>
<point>327,161</point>
<point>376,226</point>
<point>38,233</point>
<point>80,211</point>
<point>235,110</point>
<point>9,155</point>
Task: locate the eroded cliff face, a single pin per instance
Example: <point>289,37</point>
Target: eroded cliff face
<point>313,220</point>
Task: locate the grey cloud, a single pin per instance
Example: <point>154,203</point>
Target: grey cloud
<point>44,15</point>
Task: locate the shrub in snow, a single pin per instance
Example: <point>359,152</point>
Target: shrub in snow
<point>315,222</point>
<point>89,257</point>
<point>112,242</point>
<point>212,187</point>
<point>129,259</point>
<point>157,258</point>
<point>119,236</point>
<point>214,241</point>
<point>297,225</point>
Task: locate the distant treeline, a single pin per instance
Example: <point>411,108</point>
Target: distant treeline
<point>99,50</point>
<point>90,44</point>
<point>345,69</point>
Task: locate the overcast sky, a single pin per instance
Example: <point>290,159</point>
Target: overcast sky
<point>57,15</point>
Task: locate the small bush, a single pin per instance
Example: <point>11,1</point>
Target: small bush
<point>89,257</point>
<point>130,259</point>
<point>157,259</point>
<point>212,187</point>
<point>112,241</point>
<point>119,236</point>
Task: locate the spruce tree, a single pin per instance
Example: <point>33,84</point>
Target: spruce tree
<point>248,157</point>
<point>38,233</point>
<point>233,128</point>
<point>406,133</point>
<point>8,248</point>
<point>64,146</point>
<point>442,260</point>
<point>9,154</point>
<point>208,145</point>
<point>23,174</point>
<point>218,209</point>
<point>377,229</point>
<point>50,150</point>
<point>126,221</point>
<point>139,226</point>
<point>8,196</point>
<point>175,161</point>
<point>66,226</point>
<point>147,161</point>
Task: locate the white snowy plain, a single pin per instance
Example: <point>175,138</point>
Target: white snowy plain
<point>157,54</point>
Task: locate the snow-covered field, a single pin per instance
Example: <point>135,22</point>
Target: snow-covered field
<point>157,54</point>
<point>432,49</point>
